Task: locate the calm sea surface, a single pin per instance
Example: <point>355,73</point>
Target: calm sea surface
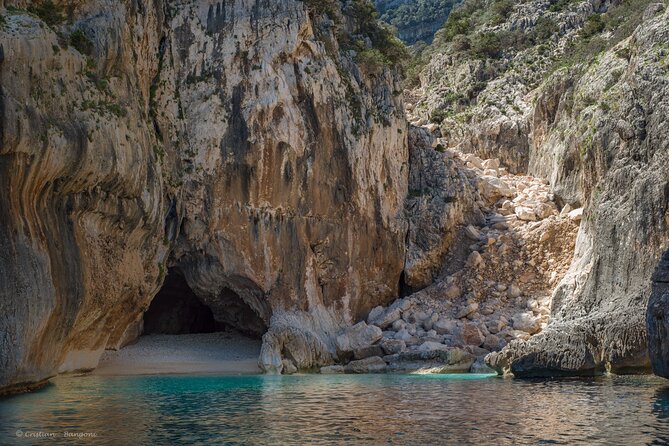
<point>340,409</point>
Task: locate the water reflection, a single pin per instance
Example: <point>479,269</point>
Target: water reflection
<point>371,409</point>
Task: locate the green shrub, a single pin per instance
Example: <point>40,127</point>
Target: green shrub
<point>502,10</point>
<point>415,15</point>
<point>544,29</point>
<point>455,26</point>
<point>461,43</point>
<point>437,116</point>
<point>487,44</point>
<point>81,42</point>
<point>388,48</point>
<point>560,5</point>
<point>372,59</point>
<point>48,11</point>
<point>594,25</point>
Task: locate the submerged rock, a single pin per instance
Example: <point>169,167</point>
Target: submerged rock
<point>332,369</point>
<point>368,365</point>
<point>451,360</point>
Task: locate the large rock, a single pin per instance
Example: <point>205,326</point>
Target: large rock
<point>467,310</point>
<point>526,322</point>
<point>471,335</point>
<point>304,348</point>
<point>167,146</point>
<point>357,337</point>
<point>445,326</point>
<point>385,317</point>
<point>431,345</point>
<point>492,188</point>
<point>368,365</point>
<point>392,346</point>
<point>332,369</point>
<point>448,360</point>
<point>367,352</point>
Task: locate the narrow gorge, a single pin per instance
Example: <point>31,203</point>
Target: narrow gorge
<point>263,166</point>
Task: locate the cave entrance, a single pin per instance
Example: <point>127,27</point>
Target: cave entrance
<point>176,309</point>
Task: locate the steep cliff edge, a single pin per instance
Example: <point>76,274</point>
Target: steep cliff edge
<point>82,214</point>
<point>243,144</point>
<point>607,147</point>
<point>657,319</point>
<point>574,92</point>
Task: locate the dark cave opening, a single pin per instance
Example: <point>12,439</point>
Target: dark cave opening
<point>176,309</point>
<point>403,289</point>
<point>233,311</point>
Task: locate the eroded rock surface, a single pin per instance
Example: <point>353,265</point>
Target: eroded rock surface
<point>591,124</point>
<point>610,157</point>
<point>441,198</point>
<point>232,141</point>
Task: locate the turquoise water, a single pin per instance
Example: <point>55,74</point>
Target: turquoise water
<point>340,409</point>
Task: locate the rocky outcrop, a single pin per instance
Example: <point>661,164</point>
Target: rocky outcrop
<point>441,198</point>
<point>477,84</point>
<point>585,111</point>
<point>657,319</point>
<point>493,284</point>
<point>305,183</point>
<point>232,142</point>
<point>606,146</point>
<point>81,232</point>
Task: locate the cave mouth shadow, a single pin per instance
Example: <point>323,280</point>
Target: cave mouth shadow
<point>176,309</point>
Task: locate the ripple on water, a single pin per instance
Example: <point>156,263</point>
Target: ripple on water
<point>342,409</point>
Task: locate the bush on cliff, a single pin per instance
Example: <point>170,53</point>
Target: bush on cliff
<point>49,12</point>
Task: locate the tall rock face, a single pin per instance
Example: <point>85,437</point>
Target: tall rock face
<point>81,215</point>
<point>657,319</point>
<point>295,166</point>
<point>231,141</point>
<point>585,109</point>
<point>441,199</point>
<point>481,72</point>
<point>600,137</point>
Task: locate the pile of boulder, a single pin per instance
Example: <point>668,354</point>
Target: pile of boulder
<point>501,293</point>
<point>366,348</point>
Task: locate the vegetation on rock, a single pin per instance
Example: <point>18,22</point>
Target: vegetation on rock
<point>48,11</point>
<point>416,20</point>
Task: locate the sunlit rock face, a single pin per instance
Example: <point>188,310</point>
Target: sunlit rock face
<point>227,140</point>
<point>610,157</point>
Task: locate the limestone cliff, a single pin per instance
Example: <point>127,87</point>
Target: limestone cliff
<point>606,147</point>
<point>584,106</point>
<point>235,142</point>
